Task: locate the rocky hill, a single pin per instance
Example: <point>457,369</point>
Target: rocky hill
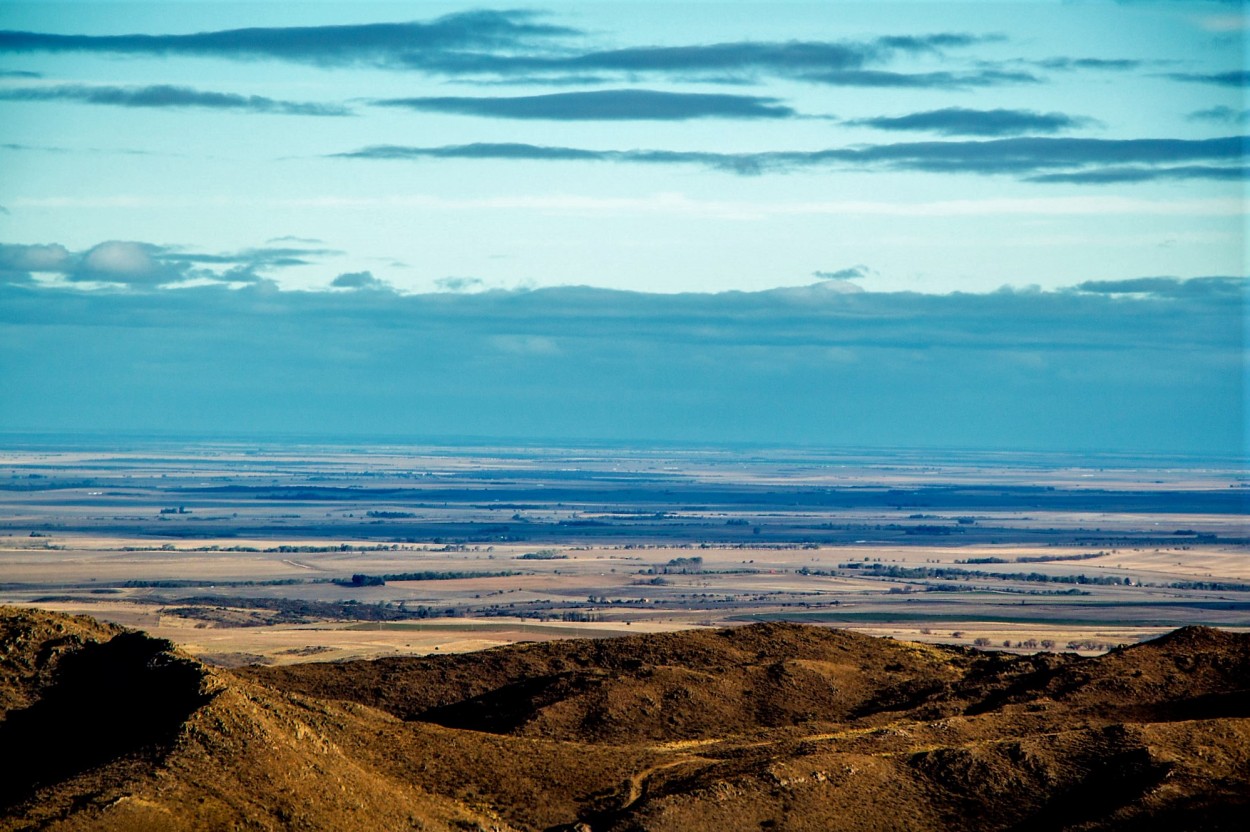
<point>769,726</point>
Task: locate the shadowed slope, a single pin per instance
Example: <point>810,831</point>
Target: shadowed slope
<point>121,731</point>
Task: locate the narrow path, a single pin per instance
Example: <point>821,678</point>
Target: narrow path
<point>636,785</point>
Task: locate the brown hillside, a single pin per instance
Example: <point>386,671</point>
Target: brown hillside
<point>771,726</point>
<point>671,686</point>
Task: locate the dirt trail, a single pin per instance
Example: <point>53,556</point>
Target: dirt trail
<point>635,787</point>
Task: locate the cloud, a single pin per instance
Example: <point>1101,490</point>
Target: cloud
<point>289,238</point>
<point>139,265</point>
<point>746,163</point>
<point>458,284</point>
<point>1221,114</point>
<point>918,80</point>
<point>36,258</point>
<point>850,273</point>
<point>717,61</point>
<point>1235,78</point>
<point>1110,64</point>
<point>1027,155</point>
<point>1232,288</point>
<point>115,261</point>
<point>19,73</point>
<point>359,280</point>
<point>115,151</point>
<point>124,262</point>
<point>958,121</point>
<point>23,148</point>
<point>1034,159</point>
<point>1106,366</point>
<point>603,105</point>
<point>380,44</point>
<point>165,96</point>
<point>1128,174</point>
<point>511,46</point>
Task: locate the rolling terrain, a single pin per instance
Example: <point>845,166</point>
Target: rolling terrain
<point>764,726</point>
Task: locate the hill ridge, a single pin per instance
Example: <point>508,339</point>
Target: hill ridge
<point>774,725</point>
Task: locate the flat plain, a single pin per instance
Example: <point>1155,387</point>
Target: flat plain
<point>248,553</point>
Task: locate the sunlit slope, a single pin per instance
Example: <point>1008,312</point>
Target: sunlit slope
<point>768,726</point>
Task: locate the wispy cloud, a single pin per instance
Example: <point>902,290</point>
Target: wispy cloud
<point>382,44</point>
<point>1030,158</point>
<point>958,121</point>
<point>19,73</point>
<point>1222,115</point>
<point>1126,174</point>
<point>919,80</point>
<point>1170,287</point>
<point>45,148</point>
<point>164,96</point>
<point>1064,63</point>
<point>603,105</point>
<point>507,46</point>
<point>1233,78</point>
<point>458,284</point>
<point>739,163</point>
<point>805,60</point>
<point>849,273</point>
<point>290,238</point>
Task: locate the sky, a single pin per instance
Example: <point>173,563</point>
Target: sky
<point>999,225</point>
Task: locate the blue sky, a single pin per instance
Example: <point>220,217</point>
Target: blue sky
<point>1008,224</point>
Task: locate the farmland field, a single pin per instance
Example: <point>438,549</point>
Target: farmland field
<point>286,553</point>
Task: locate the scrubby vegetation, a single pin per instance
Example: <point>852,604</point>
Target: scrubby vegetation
<point>769,726</point>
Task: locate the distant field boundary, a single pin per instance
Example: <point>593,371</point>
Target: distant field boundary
<point>537,629</point>
<point>1119,619</point>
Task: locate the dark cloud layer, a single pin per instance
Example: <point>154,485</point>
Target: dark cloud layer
<point>164,96</point>
<point>603,105</point>
<point>1152,363</point>
<point>1037,159</point>
<point>959,121</point>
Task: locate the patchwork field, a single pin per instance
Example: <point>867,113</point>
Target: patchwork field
<point>286,554</point>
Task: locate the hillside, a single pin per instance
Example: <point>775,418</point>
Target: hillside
<point>769,726</point>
